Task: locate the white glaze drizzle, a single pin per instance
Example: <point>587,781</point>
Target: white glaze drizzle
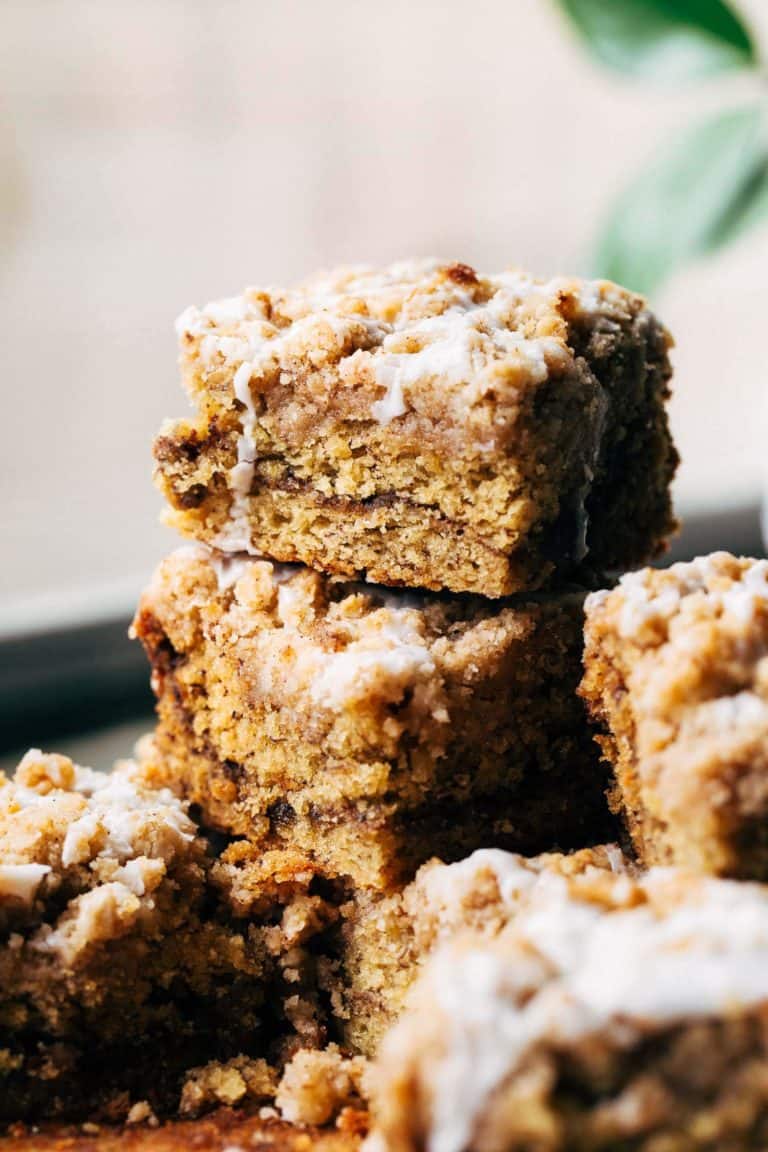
<point>700,951</point>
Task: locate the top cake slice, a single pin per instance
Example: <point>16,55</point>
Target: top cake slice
<point>426,426</point>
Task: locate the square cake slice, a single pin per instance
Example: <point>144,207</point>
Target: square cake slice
<point>426,426</point>
<point>367,728</point>
<point>612,1014</point>
<point>676,676</point>
<point>131,950</point>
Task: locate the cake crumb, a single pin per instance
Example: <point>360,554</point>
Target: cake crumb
<point>141,1113</point>
<point>316,1087</point>
<point>226,1082</point>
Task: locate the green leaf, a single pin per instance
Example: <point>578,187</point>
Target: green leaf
<point>664,39</point>
<point>699,194</point>
<point>748,209</point>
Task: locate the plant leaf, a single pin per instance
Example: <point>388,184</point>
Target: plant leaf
<point>697,195</point>
<point>664,39</point>
<point>748,209</point>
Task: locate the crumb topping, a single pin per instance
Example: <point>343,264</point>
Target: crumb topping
<point>440,891</point>
<point>113,816</point>
<point>723,586</point>
<point>108,836</point>
<point>386,647</point>
<point>368,645</point>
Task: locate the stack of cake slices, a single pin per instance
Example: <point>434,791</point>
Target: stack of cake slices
<point>404,711</point>
<point>399,484</point>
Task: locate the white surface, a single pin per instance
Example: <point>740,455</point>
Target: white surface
<point>156,155</point>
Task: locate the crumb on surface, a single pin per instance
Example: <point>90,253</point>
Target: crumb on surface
<point>141,1113</point>
<point>316,1087</point>
<point>237,1081</point>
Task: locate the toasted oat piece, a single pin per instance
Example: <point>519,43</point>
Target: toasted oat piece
<point>128,948</point>
<point>630,1014</point>
<point>677,678</point>
<point>386,942</point>
<point>426,426</point>
<point>364,728</point>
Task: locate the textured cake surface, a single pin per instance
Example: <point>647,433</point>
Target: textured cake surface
<point>612,1013</point>
<point>426,426</point>
<point>386,942</point>
<point>369,729</point>
<point>129,948</point>
<point>677,678</point>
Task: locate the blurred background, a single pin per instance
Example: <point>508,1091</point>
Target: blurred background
<point>157,153</point>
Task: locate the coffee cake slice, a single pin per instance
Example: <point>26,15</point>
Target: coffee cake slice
<point>624,1014</point>
<point>426,426</point>
<point>676,675</point>
<point>369,729</point>
<point>131,950</point>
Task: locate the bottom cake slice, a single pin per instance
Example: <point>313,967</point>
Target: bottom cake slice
<point>367,728</point>
<point>613,1013</point>
<point>562,1003</point>
<point>131,949</point>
